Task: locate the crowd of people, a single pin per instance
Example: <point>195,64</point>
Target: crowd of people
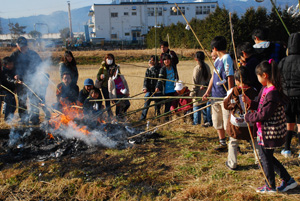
<point>261,91</point>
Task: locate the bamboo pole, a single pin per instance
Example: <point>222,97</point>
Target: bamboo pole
<point>159,97</point>
<point>153,78</point>
<point>201,46</point>
<point>32,91</point>
<point>9,90</point>
<point>168,122</point>
<point>246,111</point>
<point>276,10</point>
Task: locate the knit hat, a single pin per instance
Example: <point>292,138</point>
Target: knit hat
<point>22,41</point>
<point>88,82</point>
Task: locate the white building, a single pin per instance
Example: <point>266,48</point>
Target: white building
<point>130,20</point>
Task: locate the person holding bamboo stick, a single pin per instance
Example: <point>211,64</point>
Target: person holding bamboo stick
<point>27,63</point>
<point>224,65</point>
<point>150,84</point>
<point>201,76</point>
<point>237,127</point>
<point>168,72</point>
<point>8,81</point>
<point>270,125</point>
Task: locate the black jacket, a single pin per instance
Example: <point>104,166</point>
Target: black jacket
<point>290,67</point>
<point>83,94</point>
<point>152,72</point>
<point>26,64</point>
<point>163,74</point>
<point>69,93</point>
<point>251,64</point>
<point>7,78</point>
<point>275,51</point>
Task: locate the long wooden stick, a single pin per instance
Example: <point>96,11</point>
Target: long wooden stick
<point>168,122</point>
<point>8,90</point>
<point>159,97</point>
<point>276,10</point>
<point>153,78</point>
<point>32,92</point>
<point>246,111</point>
<point>201,45</point>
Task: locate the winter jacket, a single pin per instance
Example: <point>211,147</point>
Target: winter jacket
<point>163,75</point>
<point>174,58</point>
<point>83,94</point>
<point>270,50</point>
<point>181,102</point>
<point>7,79</point>
<point>112,87</point>
<point>251,64</point>
<point>67,93</point>
<point>104,69</point>
<point>199,80</point>
<point>237,127</point>
<point>271,116</point>
<point>72,70</point>
<point>290,67</point>
<point>26,64</point>
<point>150,84</point>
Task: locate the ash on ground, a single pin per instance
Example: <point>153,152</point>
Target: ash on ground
<point>44,143</point>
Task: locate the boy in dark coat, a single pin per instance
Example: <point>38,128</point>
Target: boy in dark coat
<point>85,92</point>
<point>92,107</point>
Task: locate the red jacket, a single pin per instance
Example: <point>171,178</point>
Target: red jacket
<point>182,101</point>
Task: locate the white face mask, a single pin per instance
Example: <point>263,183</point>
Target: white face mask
<point>109,61</point>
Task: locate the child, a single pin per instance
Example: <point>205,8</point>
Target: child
<point>270,125</point>
<point>66,93</point>
<point>236,127</point>
<point>289,68</point>
<point>8,81</point>
<point>168,72</point>
<point>149,85</point>
<point>88,85</point>
<point>224,66</point>
<point>118,88</point>
<point>92,107</point>
<point>181,90</point>
<point>201,76</point>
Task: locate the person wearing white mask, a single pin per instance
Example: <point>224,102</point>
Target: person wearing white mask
<point>103,76</point>
<point>118,88</point>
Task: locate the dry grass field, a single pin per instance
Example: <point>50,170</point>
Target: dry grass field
<point>180,165</point>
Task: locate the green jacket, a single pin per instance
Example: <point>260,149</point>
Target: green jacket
<point>103,70</point>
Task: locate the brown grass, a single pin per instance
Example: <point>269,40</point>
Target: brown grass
<point>181,165</point>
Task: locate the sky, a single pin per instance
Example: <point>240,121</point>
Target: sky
<point>24,8</point>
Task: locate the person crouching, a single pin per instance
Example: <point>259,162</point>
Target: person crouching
<point>92,106</point>
<point>181,90</point>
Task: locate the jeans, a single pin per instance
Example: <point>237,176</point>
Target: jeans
<point>206,114</point>
<point>147,103</point>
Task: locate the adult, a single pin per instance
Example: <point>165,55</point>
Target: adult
<point>246,53</point>
<point>265,49</point>
<point>88,85</point>
<point>164,46</point>
<point>27,64</point>
<point>290,72</point>
<point>69,65</point>
<point>103,76</point>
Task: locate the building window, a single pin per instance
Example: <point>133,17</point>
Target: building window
<point>127,34</point>
<point>178,12</point>
<point>213,6</point>
<point>133,7</point>
<point>198,10</point>
<point>114,36</point>
<point>150,11</point>
<point>133,13</point>
<point>114,14</point>
<point>159,11</point>
<point>126,13</point>
<point>206,9</point>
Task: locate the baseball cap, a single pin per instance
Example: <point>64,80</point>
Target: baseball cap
<point>88,82</point>
<point>22,41</point>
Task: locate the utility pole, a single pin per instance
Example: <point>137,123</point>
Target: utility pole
<point>70,20</point>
